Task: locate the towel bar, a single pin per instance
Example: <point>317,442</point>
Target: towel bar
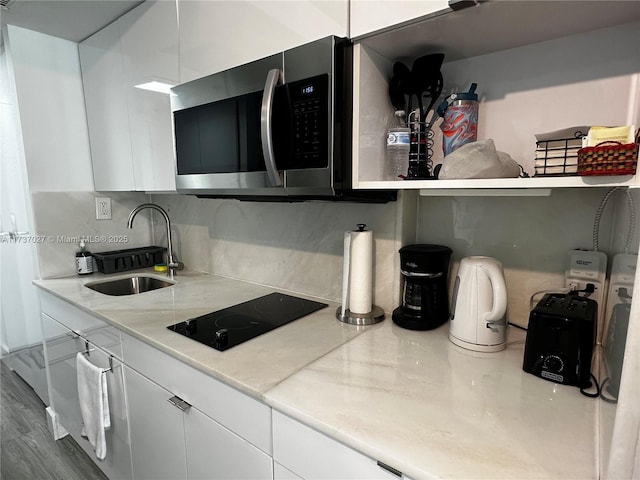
<point>87,351</point>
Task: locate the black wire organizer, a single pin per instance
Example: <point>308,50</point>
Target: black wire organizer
<point>128,259</point>
<point>557,157</point>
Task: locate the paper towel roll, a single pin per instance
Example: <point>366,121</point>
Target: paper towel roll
<point>360,261</point>
<point>345,272</point>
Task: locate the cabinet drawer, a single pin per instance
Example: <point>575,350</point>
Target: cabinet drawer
<point>91,328</point>
<point>312,455</point>
<point>237,411</point>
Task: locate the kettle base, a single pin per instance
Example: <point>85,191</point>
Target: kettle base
<point>477,348</point>
<point>414,322</point>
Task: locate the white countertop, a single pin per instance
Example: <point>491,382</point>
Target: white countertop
<point>252,367</point>
<point>412,400</point>
<point>417,402</point>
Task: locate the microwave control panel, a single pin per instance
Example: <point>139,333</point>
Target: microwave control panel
<point>310,101</point>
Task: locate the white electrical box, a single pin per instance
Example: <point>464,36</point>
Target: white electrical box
<point>588,267</point>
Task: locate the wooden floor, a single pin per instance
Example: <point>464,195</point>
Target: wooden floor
<point>27,450</point>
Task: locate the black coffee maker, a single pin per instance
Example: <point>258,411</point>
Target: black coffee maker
<point>425,301</point>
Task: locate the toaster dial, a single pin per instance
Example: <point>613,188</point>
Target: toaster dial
<point>553,363</point>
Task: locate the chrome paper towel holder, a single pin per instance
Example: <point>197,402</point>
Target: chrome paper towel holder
<point>357,284</point>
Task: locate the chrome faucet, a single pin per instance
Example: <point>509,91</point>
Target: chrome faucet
<point>172,264</point>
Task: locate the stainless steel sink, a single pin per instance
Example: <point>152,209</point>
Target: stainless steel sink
<point>128,285</point>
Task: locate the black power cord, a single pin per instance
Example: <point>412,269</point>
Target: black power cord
<point>591,385</point>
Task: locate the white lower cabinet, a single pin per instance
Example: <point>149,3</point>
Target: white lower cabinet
<point>171,439</point>
<point>61,347</point>
<point>188,425</point>
<point>308,454</point>
<point>213,452</point>
<point>157,433</point>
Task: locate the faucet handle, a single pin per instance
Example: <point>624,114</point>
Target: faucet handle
<point>176,266</point>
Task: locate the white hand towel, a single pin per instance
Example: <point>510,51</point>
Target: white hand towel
<point>94,404</point>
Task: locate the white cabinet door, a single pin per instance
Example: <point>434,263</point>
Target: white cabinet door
<point>370,15</point>
<point>61,347</point>
<point>107,113</point>
<point>312,455</point>
<point>236,411</point>
<point>130,129</point>
<point>213,452</point>
<point>149,36</point>
<point>157,434</point>
<point>215,36</point>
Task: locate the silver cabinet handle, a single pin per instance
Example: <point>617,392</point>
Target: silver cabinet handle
<point>389,469</point>
<point>273,79</point>
<point>179,403</point>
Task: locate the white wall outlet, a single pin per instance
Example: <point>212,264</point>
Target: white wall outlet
<point>103,208</point>
<point>584,267</point>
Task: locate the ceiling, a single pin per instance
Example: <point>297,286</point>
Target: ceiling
<point>73,20</point>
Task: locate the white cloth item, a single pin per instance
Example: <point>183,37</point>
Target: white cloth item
<point>478,160</point>
<point>94,404</point>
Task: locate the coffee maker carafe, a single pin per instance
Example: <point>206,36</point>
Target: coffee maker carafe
<point>425,301</point>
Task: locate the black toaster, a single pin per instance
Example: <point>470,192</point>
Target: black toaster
<point>560,339</point>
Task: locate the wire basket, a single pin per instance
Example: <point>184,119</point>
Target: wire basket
<point>557,157</point>
<point>608,158</point>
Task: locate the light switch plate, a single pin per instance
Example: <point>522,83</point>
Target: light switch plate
<point>103,208</point>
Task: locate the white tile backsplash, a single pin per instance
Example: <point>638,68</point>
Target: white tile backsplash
<point>294,246</point>
<point>60,218</point>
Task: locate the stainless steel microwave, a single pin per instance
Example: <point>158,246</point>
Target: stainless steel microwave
<point>275,128</point>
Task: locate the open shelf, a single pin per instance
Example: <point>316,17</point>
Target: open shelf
<point>533,77</point>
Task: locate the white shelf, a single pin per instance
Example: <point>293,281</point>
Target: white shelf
<point>500,186</point>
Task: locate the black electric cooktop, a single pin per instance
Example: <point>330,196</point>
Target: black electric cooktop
<point>229,327</point>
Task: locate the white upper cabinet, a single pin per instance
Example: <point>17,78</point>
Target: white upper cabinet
<point>215,36</point>
<point>107,114</point>
<point>130,129</point>
<point>149,36</point>
<point>370,15</point>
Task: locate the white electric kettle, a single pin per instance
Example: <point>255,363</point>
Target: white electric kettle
<point>479,306</point>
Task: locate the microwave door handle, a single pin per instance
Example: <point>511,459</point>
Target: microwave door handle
<point>273,79</point>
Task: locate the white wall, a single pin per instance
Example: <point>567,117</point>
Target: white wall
<point>586,79</point>
<point>52,113</point>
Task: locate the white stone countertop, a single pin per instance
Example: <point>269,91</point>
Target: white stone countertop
<point>252,367</point>
<point>412,400</point>
<point>431,409</point>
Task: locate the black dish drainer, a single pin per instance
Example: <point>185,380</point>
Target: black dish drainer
<point>128,259</point>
